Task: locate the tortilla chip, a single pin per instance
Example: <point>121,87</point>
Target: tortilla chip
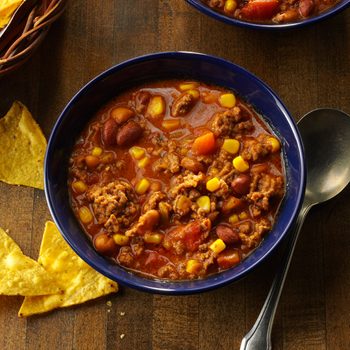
<point>78,280</point>
<point>22,148</point>
<point>19,274</point>
<point>7,8</point>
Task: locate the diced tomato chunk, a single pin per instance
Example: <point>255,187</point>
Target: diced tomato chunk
<point>154,260</point>
<point>187,237</point>
<point>260,9</point>
<point>228,258</point>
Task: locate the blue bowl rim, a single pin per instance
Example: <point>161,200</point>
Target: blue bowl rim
<point>159,288</point>
<point>273,27</point>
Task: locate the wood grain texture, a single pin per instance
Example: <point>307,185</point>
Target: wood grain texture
<point>308,68</point>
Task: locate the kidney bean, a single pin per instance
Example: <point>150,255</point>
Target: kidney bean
<point>306,7</point>
<point>227,234</point>
<point>128,133</point>
<point>241,184</point>
<point>105,244</point>
<point>109,132</point>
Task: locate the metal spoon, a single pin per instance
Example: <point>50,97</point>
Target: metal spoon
<point>326,138</point>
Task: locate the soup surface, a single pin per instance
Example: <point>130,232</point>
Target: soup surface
<point>271,11</point>
<point>176,180</point>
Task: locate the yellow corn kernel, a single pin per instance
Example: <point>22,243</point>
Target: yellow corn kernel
<point>85,215</point>
<point>275,144</point>
<point>143,162</point>
<point>121,239</point>
<point>240,164</point>
<point>193,266</point>
<point>218,246</point>
<point>213,184</point>
<point>233,219</point>
<point>79,186</point>
<point>188,86</point>
<point>153,238</point>
<point>194,93</point>
<point>204,203</point>
<point>227,100</point>
<point>230,6</point>
<point>156,106</point>
<point>97,151</point>
<point>171,124</point>
<point>243,215</point>
<point>137,152</point>
<point>231,146</point>
<point>142,186</point>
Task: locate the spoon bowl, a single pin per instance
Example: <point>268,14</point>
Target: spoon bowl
<point>326,137</point>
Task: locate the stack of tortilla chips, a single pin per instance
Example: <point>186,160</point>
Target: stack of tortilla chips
<point>59,278</point>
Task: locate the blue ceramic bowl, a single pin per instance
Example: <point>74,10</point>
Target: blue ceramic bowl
<point>164,66</point>
<point>198,4</point>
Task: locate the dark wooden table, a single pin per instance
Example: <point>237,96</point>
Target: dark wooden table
<point>308,68</point>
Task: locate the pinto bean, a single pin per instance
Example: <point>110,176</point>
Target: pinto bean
<point>241,184</point>
<point>105,244</point>
<point>149,220</point>
<point>286,16</point>
<point>227,234</point>
<point>92,161</point>
<point>306,7</point>
<point>109,132</point>
<point>192,165</point>
<point>129,133</point>
<point>230,204</point>
<point>228,258</point>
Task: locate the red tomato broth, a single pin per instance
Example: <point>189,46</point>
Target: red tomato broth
<point>185,238</point>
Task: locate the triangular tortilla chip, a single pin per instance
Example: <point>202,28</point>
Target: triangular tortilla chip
<point>7,8</point>
<point>22,148</point>
<point>19,274</point>
<point>78,280</point>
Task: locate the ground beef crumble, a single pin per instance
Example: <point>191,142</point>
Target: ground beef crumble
<point>114,205</point>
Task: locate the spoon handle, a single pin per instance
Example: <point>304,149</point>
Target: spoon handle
<point>259,337</point>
